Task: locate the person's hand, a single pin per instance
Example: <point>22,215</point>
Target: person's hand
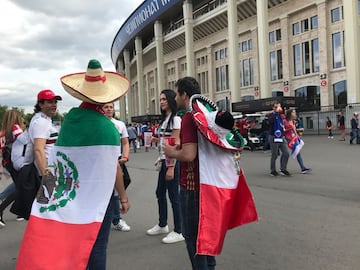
<point>169,174</point>
<point>123,160</point>
<point>125,206</point>
<point>169,150</point>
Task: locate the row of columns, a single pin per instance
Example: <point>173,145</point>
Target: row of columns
<point>136,96</point>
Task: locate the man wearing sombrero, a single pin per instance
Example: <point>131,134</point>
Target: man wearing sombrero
<point>71,216</point>
<point>213,193</point>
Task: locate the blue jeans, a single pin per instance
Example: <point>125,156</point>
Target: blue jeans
<point>116,210</point>
<point>354,135</point>
<point>300,161</point>
<point>172,186</point>
<point>97,259</point>
<point>7,191</point>
<point>190,211</point>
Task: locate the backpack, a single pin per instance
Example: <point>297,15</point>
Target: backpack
<point>6,160</point>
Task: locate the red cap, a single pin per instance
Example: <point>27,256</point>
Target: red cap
<point>47,94</point>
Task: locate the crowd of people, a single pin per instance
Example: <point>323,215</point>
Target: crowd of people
<point>57,161</point>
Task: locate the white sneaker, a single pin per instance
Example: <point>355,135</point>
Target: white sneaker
<point>173,237</point>
<point>122,226</point>
<point>157,230</point>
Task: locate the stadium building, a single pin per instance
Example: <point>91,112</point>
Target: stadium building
<point>241,51</point>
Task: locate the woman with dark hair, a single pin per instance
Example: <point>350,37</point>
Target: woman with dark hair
<point>168,178</point>
<point>295,143</point>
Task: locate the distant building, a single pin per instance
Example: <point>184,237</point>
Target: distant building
<point>242,50</point>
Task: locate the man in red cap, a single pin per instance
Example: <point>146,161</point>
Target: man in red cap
<point>42,133</point>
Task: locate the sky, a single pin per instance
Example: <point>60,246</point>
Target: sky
<point>43,40</point>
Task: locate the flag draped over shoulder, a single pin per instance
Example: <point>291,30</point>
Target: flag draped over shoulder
<point>295,145</point>
<point>225,199</point>
<point>71,203</point>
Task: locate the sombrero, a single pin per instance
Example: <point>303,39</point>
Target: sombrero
<point>216,126</point>
<point>95,85</point>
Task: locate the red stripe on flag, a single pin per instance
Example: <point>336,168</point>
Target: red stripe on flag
<point>222,209</point>
<point>49,244</point>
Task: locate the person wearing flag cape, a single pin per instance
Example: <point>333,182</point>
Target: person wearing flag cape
<point>71,215</point>
<point>214,195</point>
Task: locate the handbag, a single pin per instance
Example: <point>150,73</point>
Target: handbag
<point>126,176</point>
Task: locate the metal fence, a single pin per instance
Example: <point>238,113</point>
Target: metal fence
<point>314,122</point>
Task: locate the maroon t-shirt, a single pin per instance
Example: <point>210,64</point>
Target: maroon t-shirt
<point>189,171</point>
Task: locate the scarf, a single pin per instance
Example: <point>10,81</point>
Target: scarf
<point>278,128</point>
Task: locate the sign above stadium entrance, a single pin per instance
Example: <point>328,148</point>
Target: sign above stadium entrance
<point>145,14</point>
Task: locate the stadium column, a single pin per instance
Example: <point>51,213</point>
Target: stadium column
<point>263,48</point>
<point>158,30</point>
<point>286,60</point>
<point>130,93</point>
<point>326,96</point>
<point>211,87</point>
<point>234,77</point>
<point>189,37</point>
<point>122,100</point>
<point>140,78</point>
<point>352,45</point>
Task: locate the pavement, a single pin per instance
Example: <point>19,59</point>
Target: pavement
<point>307,221</point>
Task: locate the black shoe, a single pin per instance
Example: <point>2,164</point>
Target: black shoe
<point>285,173</point>
<point>274,173</point>
<point>2,222</point>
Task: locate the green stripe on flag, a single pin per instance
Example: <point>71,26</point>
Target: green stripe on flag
<point>83,127</point>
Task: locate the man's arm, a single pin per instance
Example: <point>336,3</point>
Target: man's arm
<point>187,153</point>
<point>125,150</point>
<point>40,156</point>
<point>120,188</point>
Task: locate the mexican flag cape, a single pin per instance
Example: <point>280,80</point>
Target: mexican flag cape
<point>225,198</point>
<point>70,205</point>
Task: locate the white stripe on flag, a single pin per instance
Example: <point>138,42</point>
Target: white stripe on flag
<point>95,185</point>
<point>219,163</point>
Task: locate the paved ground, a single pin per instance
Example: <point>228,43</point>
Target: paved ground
<point>307,222</point>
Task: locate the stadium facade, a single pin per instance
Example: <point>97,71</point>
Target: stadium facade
<point>241,50</point>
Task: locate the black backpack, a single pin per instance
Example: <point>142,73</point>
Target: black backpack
<point>6,161</point>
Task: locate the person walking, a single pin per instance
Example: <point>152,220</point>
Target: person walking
<point>109,109</point>
<point>132,136</point>
<point>329,127</point>
<point>277,141</point>
<point>355,128</point>
<point>341,126</point>
<point>295,143</point>
<point>168,178</point>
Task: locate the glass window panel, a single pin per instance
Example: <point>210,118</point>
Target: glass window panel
<point>314,22</point>
<point>336,50</point>
<point>273,72</point>
<point>335,15</point>
<point>297,60</point>
<point>271,37</point>
<point>306,57</point>
<point>296,28</point>
<point>278,34</point>
<point>305,25</point>
<point>315,55</point>
<point>279,64</point>
<point>246,72</point>
<point>251,71</point>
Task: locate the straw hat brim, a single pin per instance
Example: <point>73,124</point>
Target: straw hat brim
<point>205,122</point>
<point>115,86</point>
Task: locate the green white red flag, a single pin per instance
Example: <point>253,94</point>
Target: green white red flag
<point>71,203</point>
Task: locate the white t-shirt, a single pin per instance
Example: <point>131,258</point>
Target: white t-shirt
<point>22,151</point>
<point>165,130</point>
<point>120,126</point>
<point>41,127</point>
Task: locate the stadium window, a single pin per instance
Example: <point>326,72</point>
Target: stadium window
<point>314,22</point>
<point>304,25</point>
<point>315,55</point>
<point>337,50</point>
<point>297,60</point>
<point>272,37</point>
<point>305,57</point>
<point>278,34</point>
<point>296,28</point>
<point>335,15</point>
